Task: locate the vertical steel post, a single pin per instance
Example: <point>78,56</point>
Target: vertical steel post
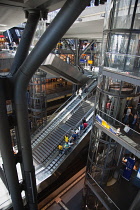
<point>26,39</point>
<point>75,87</point>
<point>7,152</point>
<point>64,19</point>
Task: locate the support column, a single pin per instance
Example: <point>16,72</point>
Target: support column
<point>75,87</point>
<point>7,152</point>
<point>26,39</point>
<point>62,22</point>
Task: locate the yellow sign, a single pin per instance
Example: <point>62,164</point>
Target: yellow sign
<point>129,98</point>
<point>104,123</point>
<point>90,62</point>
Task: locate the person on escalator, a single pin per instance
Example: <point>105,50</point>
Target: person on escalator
<point>80,92</point>
<point>81,127</point>
<point>77,132</point>
<point>66,138</point>
<point>84,120</point>
<point>66,148</point>
<point>70,143</point>
<point>74,137</point>
<point>86,88</point>
<point>72,131</point>
<point>85,125</point>
<point>60,147</point>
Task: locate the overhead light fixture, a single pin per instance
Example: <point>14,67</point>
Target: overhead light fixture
<point>2,25</point>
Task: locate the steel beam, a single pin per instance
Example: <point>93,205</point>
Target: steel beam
<point>64,19</point>
<point>26,39</point>
<point>135,80</point>
<point>7,152</point>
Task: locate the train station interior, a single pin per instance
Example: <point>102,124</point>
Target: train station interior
<point>70,104</point>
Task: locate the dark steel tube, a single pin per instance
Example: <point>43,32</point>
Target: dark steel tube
<point>64,19</point>
<point>61,23</point>
<point>26,39</point>
<point>7,153</point>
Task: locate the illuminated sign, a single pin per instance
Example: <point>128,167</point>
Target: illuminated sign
<point>105,124</point>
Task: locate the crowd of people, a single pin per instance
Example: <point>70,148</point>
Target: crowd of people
<point>131,119</point>
<point>70,140</point>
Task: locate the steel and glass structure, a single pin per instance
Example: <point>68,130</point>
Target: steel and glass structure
<point>38,98</point>
<point>118,88</point>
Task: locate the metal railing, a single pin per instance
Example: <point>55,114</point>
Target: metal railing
<point>57,158</point>
<point>88,116</point>
<point>113,124</point>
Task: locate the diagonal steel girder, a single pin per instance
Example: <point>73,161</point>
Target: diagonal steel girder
<point>64,19</point>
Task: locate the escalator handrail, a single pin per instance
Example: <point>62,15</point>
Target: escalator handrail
<point>56,149</point>
<point>59,109</point>
<point>49,124</point>
<point>77,125</point>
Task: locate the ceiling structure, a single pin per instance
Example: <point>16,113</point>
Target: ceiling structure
<point>12,11</point>
<point>88,25</point>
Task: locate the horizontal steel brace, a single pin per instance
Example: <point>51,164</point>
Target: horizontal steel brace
<point>122,76</point>
<point>125,141</point>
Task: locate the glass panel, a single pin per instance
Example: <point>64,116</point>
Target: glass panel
<point>123,13</point>
<point>134,51</point>
<point>116,52</point>
<point>118,43</point>
<point>108,11</point>
<point>103,48</point>
<point>137,17</point>
<point>122,58</point>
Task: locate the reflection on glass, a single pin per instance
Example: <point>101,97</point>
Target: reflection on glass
<point>123,14</point>
<point>137,17</point>
<point>109,8</point>
<point>123,53</point>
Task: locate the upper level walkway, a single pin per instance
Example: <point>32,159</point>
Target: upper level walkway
<point>129,140</point>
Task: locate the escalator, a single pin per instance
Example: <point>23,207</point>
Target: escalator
<point>56,66</point>
<point>48,162</point>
